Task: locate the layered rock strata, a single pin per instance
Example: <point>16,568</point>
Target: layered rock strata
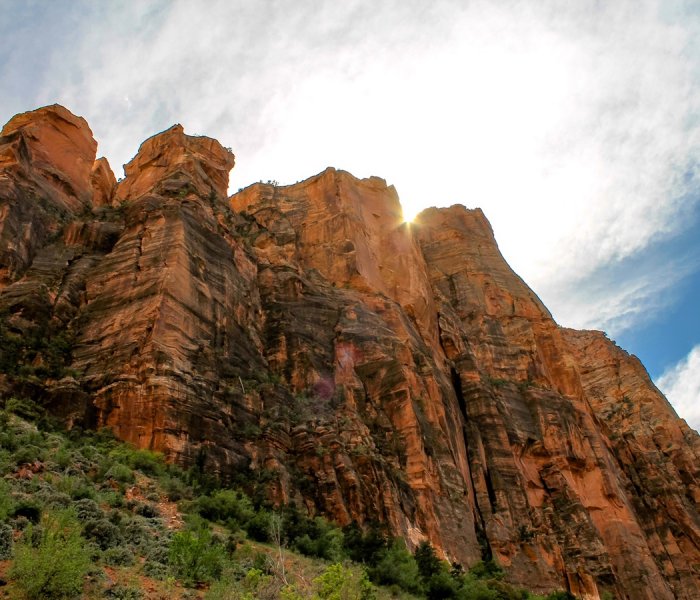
<point>308,341</point>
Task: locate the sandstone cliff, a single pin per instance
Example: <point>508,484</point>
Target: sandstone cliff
<point>307,340</point>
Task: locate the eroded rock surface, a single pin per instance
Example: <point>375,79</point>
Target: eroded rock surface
<point>307,340</point>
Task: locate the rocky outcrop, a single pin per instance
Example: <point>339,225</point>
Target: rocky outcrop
<point>45,161</point>
<point>307,341</point>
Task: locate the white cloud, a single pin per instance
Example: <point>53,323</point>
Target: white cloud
<point>681,385</point>
<point>575,126</point>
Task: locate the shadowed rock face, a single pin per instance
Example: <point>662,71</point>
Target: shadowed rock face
<point>307,340</point>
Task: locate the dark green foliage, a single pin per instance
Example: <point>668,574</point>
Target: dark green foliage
<point>487,570</point>
<point>326,543</point>
<point>441,585</point>
<point>42,344</point>
<point>145,510</point>
<point>561,596</point>
<point>176,489</point>
<point>427,561</point>
<point>258,528</point>
<point>103,533</point>
<point>28,509</point>
<point>397,567</point>
<point>367,547</point>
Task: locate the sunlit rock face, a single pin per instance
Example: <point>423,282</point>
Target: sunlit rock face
<point>306,340</point>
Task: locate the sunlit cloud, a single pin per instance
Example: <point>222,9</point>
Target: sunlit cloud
<point>681,385</point>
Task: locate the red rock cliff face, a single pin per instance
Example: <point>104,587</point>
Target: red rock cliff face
<point>306,337</point>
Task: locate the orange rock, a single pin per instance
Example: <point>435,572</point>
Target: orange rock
<point>172,162</point>
<point>103,183</point>
<point>46,157</point>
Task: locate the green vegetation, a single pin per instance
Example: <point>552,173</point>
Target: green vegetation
<point>73,504</point>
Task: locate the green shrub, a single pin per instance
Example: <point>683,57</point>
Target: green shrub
<point>29,509</point>
<point>6,541</point>
<point>487,570</point>
<point>28,454</point>
<point>427,561</point>
<point>397,568</point>
<point>194,558</point>
<point>344,583</point>
<point>475,589</point>
<point>76,487</point>
<point>327,542</point>
<point>121,473</point>
<point>228,507</point>
<point>176,489</point>
<point>87,509</point>
<point>258,528</point>
<point>146,461</point>
<point>441,585</point>
<point>103,533</point>
<point>6,503</point>
<point>24,408</point>
<point>55,569</point>
<point>146,510</point>
<point>365,547</point>
<point>118,556</point>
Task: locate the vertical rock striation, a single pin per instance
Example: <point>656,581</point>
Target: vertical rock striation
<point>307,340</point>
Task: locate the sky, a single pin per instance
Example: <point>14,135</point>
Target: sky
<point>574,125</point>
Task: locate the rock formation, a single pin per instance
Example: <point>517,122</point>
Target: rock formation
<point>305,339</point>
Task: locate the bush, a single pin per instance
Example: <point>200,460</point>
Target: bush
<point>119,556</point>
<point>487,570</point>
<point>397,567</point>
<point>103,533</point>
<point>86,509</point>
<point>327,542</point>
<point>146,510</point>
<point>6,503</point>
<point>194,558</point>
<point>28,509</point>
<point>343,583</point>
<point>228,507</point>
<point>176,489</point>
<point>55,569</point>
<point>24,408</point>
<point>368,547</point>
<point>6,537</point>
<point>258,528</point>
<point>427,561</point>
<point>146,461</point>
<point>441,586</point>
<point>121,473</point>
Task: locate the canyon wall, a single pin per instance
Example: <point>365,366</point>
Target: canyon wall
<point>307,341</point>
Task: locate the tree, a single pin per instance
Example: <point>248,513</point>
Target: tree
<point>427,560</point>
<point>56,566</point>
